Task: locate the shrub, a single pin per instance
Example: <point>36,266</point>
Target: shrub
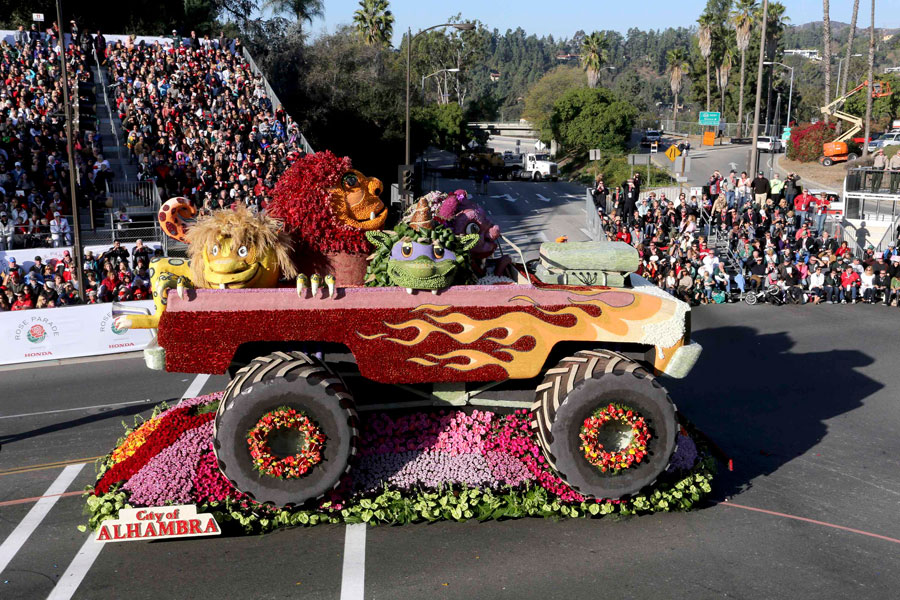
<point>805,145</point>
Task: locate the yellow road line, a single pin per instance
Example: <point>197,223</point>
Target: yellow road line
<point>52,465</point>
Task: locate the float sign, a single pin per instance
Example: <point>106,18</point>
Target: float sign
<point>157,523</point>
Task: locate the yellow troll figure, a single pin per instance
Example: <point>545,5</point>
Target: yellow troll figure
<point>229,249</point>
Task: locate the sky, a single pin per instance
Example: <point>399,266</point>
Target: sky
<point>564,19</point>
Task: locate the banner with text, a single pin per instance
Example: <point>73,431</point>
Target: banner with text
<point>67,332</point>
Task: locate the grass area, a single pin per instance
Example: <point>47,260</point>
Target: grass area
<point>814,175</point>
<point>616,170</point>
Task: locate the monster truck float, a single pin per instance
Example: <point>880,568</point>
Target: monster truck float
<point>427,303</point>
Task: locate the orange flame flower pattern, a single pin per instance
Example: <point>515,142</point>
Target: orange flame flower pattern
<point>623,317</point>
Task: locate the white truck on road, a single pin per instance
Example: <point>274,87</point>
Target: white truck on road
<point>531,166</point>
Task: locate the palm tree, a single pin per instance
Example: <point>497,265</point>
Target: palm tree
<point>704,40</point>
<point>843,82</point>
<point>594,52</point>
<point>374,22</point>
<point>871,83</point>
<point>826,31</point>
<point>742,18</point>
<point>302,10</point>
<point>723,72</point>
<point>676,66</point>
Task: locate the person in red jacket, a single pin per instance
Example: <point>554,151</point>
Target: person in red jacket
<point>849,285</point>
<point>23,302</point>
<point>801,206</point>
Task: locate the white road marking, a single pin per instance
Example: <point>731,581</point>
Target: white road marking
<point>542,198</point>
<point>353,578</point>
<point>23,530</point>
<point>80,565</point>
<point>62,410</point>
<point>506,197</point>
<point>196,385</point>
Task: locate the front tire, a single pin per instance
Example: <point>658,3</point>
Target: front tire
<point>578,386</point>
<point>298,381</point>
<point>751,298</point>
<point>827,162</point>
<point>535,176</point>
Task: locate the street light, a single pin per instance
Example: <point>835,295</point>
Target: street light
<point>790,92</point>
<point>840,63</point>
<point>410,37</point>
<point>453,70</point>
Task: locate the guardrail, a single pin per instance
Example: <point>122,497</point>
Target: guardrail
<point>865,180</point>
<point>276,103</point>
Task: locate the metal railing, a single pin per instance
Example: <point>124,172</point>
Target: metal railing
<point>112,117</point>
<point>276,103</point>
<point>593,223</point>
<point>870,207</point>
<point>867,180</point>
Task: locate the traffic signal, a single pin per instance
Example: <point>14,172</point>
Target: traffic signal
<point>407,180</point>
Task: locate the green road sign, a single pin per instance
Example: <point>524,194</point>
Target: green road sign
<point>709,118</point>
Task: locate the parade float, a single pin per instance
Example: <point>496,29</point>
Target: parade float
<point>437,317</point>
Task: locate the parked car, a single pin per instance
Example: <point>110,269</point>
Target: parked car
<point>650,136</point>
<point>769,144</point>
<point>887,139</point>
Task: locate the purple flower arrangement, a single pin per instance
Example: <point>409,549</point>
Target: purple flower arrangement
<point>405,452</point>
<point>169,476</point>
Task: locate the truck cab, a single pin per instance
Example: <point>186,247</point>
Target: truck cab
<point>538,167</point>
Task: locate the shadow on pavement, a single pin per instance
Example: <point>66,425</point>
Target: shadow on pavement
<point>762,404</point>
<point>86,420</point>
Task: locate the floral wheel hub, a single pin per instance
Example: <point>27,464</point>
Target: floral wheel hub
<point>285,443</point>
<point>615,438</point>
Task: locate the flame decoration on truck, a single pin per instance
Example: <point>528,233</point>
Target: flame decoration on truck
<point>617,314</point>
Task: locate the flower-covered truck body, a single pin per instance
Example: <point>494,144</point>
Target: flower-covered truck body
<point>464,334</point>
<point>458,335</point>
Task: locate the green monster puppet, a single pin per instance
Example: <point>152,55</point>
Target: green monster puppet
<point>419,256</point>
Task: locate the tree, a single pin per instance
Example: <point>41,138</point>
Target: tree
<point>301,10</point>
<point>592,118</point>
<point>826,28</point>
<point>843,82</point>
<point>676,65</point>
<point>742,18</point>
<point>543,94</point>
<point>374,22</point>
<point>704,40</point>
<point>594,54</point>
<point>868,120</point>
<point>723,72</point>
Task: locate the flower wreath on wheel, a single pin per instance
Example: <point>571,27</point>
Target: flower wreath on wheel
<point>291,466</point>
<point>613,462</point>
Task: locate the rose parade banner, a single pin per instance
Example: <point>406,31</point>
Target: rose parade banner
<point>155,523</point>
<point>67,332</point>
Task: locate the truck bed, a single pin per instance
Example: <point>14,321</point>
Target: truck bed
<point>464,333</point>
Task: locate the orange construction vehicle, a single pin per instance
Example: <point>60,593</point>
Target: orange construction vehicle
<point>837,151</point>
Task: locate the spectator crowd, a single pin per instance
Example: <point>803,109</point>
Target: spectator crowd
<point>768,235</point>
<point>114,275</point>
<point>198,121</point>
<point>34,163</point>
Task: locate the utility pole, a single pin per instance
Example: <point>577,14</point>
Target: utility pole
<point>865,148</point>
<point>754,155</point>
<point>76,226</point>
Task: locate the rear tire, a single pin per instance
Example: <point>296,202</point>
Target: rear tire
<point>573,391</point>
<point>301,382</point>
<point>751,298</point>
<point>852,156</point>
<point>827,162</point>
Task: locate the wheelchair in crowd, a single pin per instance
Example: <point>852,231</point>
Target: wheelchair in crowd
<point>777,295</point>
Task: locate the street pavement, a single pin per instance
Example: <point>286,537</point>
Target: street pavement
<point>806,411</point>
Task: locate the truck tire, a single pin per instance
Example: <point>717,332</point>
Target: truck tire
<point>574,390</point>
<point>536,176</point>
<point>827,162</point>
<point>301,382</point>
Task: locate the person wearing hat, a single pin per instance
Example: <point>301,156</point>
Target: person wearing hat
<point>760,187</point>
<point>894,167</point>
<point>60,232</point>
<point>7,231</point>
<point>878,168</point>
<point>11,267</point>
